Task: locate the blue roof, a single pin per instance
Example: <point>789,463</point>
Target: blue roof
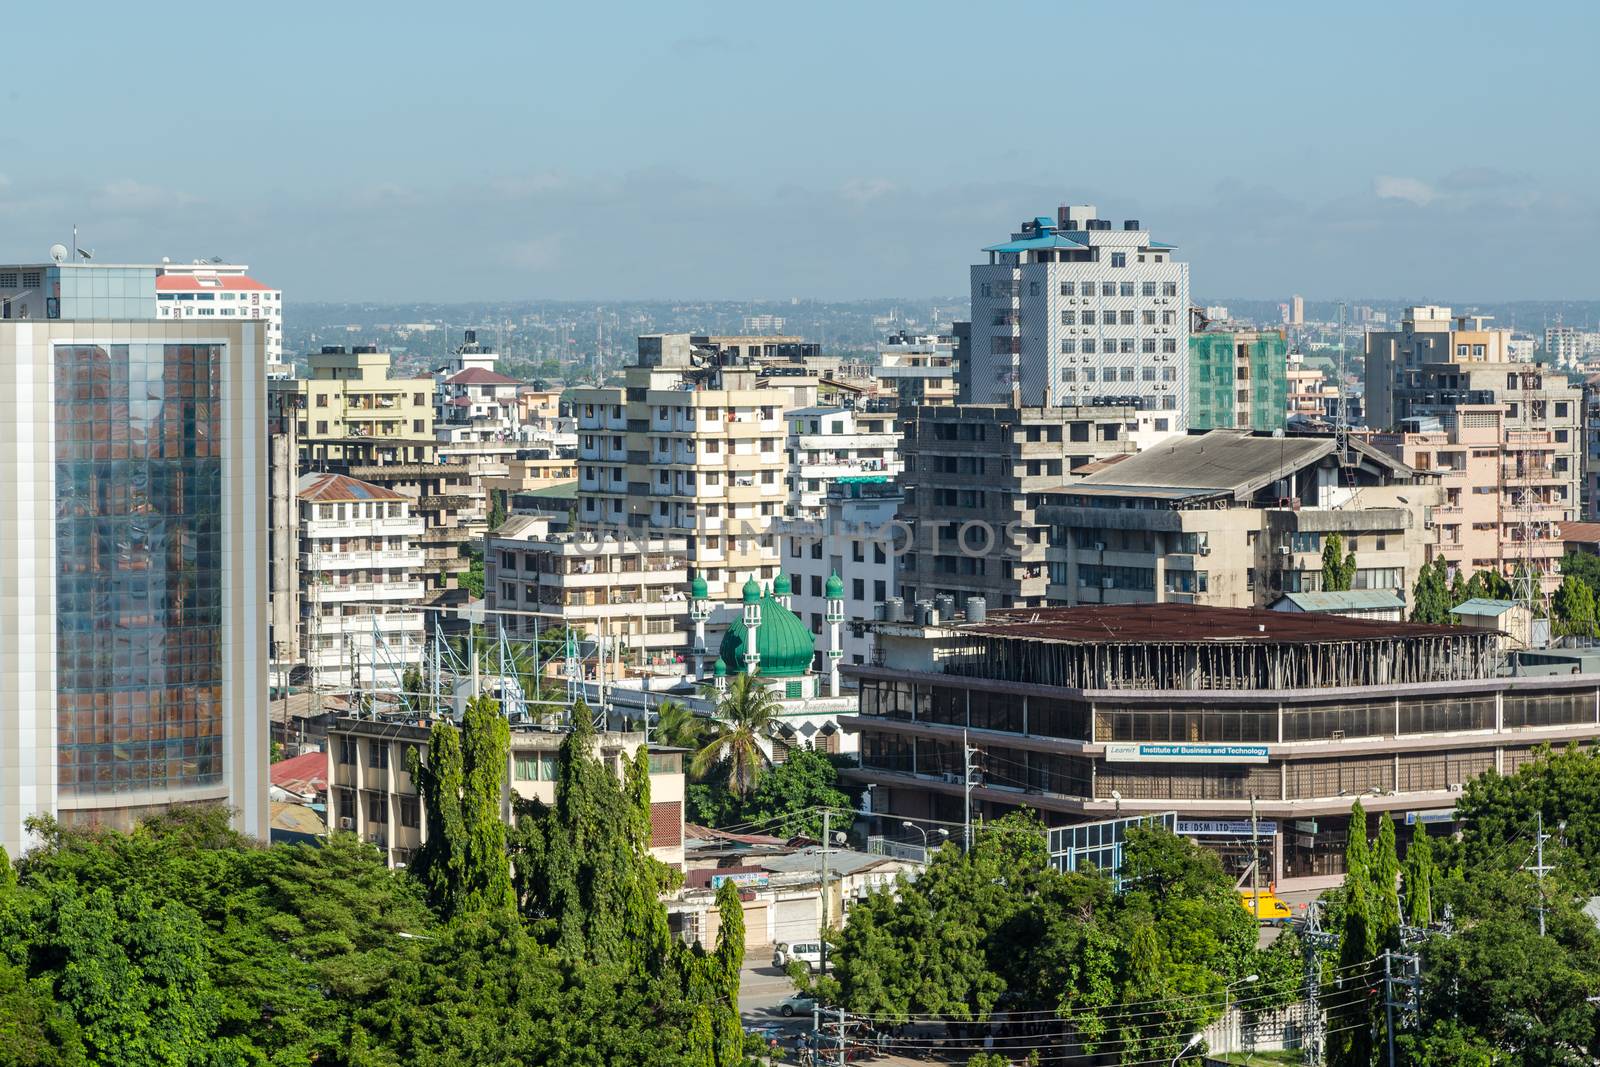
<point>1482,606</point>
<point>1044,222</point>
<point>1347,600</point>
<point>1032,244</point>
<point>1161,244</point>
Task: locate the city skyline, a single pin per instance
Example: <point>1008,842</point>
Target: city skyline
<point>842,159</point>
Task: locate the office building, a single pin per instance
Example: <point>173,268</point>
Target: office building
<point>1503,489</point>
<point>371,794</point>
<point>133,643</point>
<point>625,589</point>
<point>1297,310</point>
<point>973,476</point>
<point>359,584</point>
<point>829,445</point>
<point>1081,714</point>
<point>204,289</point>
<point>692,445</point>
<point>1232,518</point>
<point>1071,311</point>
<point>1238,378</point>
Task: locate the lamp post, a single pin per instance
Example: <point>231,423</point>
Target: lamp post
<point>1193,1041</point>
<point>909,825</point>
<point>1228,989</point>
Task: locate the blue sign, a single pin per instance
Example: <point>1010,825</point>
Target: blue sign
<point>1177,752</point>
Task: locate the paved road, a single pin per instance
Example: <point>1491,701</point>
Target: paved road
<point>761,986</point>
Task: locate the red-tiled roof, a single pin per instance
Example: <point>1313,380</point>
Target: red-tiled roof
<point>207,283</point>
<point>342,487</point>
<point>479,376</point>
<point>303,774</point>
<point>460,401</point>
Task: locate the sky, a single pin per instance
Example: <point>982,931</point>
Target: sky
<point>397,152</point>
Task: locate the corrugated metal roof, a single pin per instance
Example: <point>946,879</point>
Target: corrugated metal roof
<point>1349,600</point>
<point>1483,606</point>
<point>342,487</point>
<point>1033,244</point>
<point>1100,624</point>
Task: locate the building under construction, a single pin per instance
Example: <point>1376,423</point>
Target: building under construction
<point>1087,713</point>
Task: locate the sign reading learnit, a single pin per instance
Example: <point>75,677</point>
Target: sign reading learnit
<point>1225,827</point>
<point>1158,752</point>
<point>744,879</point>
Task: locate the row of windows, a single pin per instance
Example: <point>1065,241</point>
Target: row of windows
<point>1125,317</point>
<point>1110,346</point>
<point>1113,374</point>
<point>1117,288</point>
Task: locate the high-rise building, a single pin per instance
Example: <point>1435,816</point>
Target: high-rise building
<point>692,444</point>
<point>1297,310</point>
<point>1428,334</point>
<point>133,638</point>
<point>1238,378</point>
<point>1071,311</point>
<point>204,290</point>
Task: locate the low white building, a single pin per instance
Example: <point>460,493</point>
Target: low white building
<point>359,584</point>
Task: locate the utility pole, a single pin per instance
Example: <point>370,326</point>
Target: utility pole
<point>1255,862</point>
<point>841,1037</point>
<point>1388,1004</point>
<point>822,941</point>
<point>1539,868</point>
<point>1313,940</point>
<point>967,752</point>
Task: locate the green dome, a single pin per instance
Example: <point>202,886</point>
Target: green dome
<point>697,589</point>
<point>781,587</point>
<point>719,670</point>
<point>834,590</point>
<point>786,646</point>
<point>752,590</point>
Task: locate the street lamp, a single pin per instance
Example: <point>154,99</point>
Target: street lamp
<point>909,825</point>
<point>1193,1041</point>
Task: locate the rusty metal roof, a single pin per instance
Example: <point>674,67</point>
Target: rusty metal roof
<point>1189,623</point>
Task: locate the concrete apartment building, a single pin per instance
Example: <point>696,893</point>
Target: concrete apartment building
<point>1235,519</point>
<point>359,586</point>
<point>974,475</point>
<point>826,444</point>
<point>1569,347</point>
<point>1501,506</point>
<point>692,444</point>
<point>372,795</point>
<point>1073,311</point>
<point>848,538</point>
<point>1238,378</point>
<point>1589,491</point>
<point>916,371</point>
<point>1428,335</point>
<point>627,589</point>
<point>354,412</point>
<point>1307,391</point>
<point>133,646</point>
<point>1084,714</point>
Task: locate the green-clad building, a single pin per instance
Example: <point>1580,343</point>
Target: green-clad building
<point>1238,379</point>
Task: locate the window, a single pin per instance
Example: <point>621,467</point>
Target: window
<point>1066,288</point>
<point>1127,374</point>
<point>1148,345</point>
<point>1461,350</point>
<point>1561,410</point>
<point>1088,374</point>
<point>879,590</point>
<point>1477,350</point>
<point>322,400</point>
<point>1148,289</point>
<point>410,811</point>
<point>347,750</point>
<point>1088,318</point>
<point>1069,318</point>
<point>1148,317</point>
<point>858,589</point>
<point>816,584</point>
<point>1068,346</point>
<point>1169,288</point>
<point>1124,288</point>
<point>1119,259</point>
<point>1068,374</point>
<point>1126,345</point>
<point>1127,317</point>
<point>1169,344</point>
<point>1148,373</point>
<point>1108,288</point>
<point>377,754</point>
<point>1088,348</point>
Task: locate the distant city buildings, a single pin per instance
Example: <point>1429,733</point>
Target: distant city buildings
<point>1072,311</point>
<point>133,648</point>
<point>1297,310</point>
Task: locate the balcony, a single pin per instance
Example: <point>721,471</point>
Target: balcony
<point>387,559</point>
<point>364,591</point>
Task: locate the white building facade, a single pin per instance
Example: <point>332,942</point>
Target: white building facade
<point>853,538</point>
<point>223,290</point>
<point>359,584</point>
<point>829,443</point>
<point>1071,311</point>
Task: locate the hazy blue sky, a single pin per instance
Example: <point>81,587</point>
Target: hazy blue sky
<point>403,151</point>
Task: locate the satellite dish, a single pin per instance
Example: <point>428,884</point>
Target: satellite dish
<point>58,253</point>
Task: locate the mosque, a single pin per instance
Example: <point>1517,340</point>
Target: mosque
<point>769,642</point>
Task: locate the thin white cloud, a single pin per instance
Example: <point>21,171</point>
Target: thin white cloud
<point>1414,190</point>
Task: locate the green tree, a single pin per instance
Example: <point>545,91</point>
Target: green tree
<point>788,799</point>
<point>679,727</point>
<point>1430,595</point>
<point>744,718</point>
<point>1460,589</point>
<point>727,961</point>
<point>1563,786</point>
<point>1385,878</point>
<point>1584,566</point>
<point>1495,585</point>
<point>1573,607</point>
<point>1350,1000</point>
<point>1338,566</point>
<point>1419,879</point>
<point>463,862</point>
<point>497,509</point>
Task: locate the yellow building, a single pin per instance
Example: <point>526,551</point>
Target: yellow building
<point>353,411</point>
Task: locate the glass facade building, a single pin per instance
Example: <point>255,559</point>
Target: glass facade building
<point>139,566</point>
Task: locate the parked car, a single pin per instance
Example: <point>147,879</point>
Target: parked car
<point>807,952</point>
<point>799,1004</point>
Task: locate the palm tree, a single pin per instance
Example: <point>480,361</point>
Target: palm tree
<point>744,716</point>
<point>678,727</point>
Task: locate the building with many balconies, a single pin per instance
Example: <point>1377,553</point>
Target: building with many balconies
<point>359,590</point>
<point>626,589</point>
<point>827,444</point>
<point>691,444</point>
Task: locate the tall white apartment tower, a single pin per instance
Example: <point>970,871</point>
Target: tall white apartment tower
<point>207,289</point>
<point>1074,311</point>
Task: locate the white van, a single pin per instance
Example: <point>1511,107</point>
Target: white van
<point>807,952</point>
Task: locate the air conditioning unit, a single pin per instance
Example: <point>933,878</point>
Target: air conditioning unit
<point>1099,546</point>
<point>1203,550</point>
<point>1105,583</point>
<point>1455,787</point>
<point>374,836</point>
<point>1336,735</point>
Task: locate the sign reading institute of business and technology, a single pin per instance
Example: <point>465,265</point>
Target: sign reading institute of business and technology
<point>1162,752</point>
